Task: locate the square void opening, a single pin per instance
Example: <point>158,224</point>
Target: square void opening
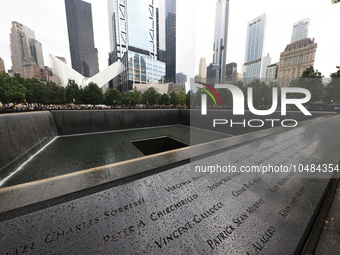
<point>155,145</point>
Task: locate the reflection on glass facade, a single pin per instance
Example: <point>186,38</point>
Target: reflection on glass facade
<point>80,33</point>
<point>133,41</point>
<point>300,30</point>
<point>254,47</point>
<point>221,37</point>
<point>143,69</point>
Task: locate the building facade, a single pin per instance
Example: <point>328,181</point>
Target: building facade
<point>266,61</point>
<point>2,65</point>
<point>180,38</point>
<point>300,30</point>
<point>271,73</point>
<point>221,37</point>
<point>202,69</point>
<point>252,66</point>
<point>213,73</point>
<point>25,49</point>
<point>231,73</point>
<point>134,41</point>
<point>81,38</point>
<point>296,57</point>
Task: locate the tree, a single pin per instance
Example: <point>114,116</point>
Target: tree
<point>132,97</point>
<point>188,98</point>
<point>73,93</point>
<point>312,81</point>
<point>113,97</point>
<point>11,91</point>
<point>173,98</point>
<point>164,99</point>
<point>56,93</point>
<point>135,96</point>
<point>92,94</point>
<point>335,1</point>
<point>261,94</point>
<point>151,96</point>
<point>333,88</point>
<point>181,97</point>
<point>36,91</point>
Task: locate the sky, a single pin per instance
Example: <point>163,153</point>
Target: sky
<point>47,19</point>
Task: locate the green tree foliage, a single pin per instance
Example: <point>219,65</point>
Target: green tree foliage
<point>335,1</point>
<point>92,94</point>
<point>181,97</point>
<point>151,96</point>
<point>113,97</point>
<point>73,92</point>
<point>333,88</point>
<point>11,91</point>
<point>56,93</point>
<point>36,91</point>
<point>135,96</point>
<point>164,99</point>
<point>261,94</point>
<point>189,95</point>
<point>173,98</point>
<point>132,97</point>
<point>311,80</point>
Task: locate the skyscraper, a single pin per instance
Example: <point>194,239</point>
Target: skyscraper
<point>180,39</point>
<point>300,30</point>
<point>231,72</point>
<point>133,41</point>
<point>221,37</point>
<point>254,48</point>
<point>25,49</point>
<point>81,39</point>
<point>2,65</point>
<point>202,71</point>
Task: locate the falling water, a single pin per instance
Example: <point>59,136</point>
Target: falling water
<point>21,136</point>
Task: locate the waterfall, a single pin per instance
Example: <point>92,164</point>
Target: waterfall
<point>21,136</point>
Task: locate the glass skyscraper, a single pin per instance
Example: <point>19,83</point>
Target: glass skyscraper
<point>180,32</point>
<point>221,37</point>
<point>133,41</point>
<point>81,39</point>
<point>254,48</point>
<point>300,30</point>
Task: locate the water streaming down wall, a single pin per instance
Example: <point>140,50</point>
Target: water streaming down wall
<point>21,136</point>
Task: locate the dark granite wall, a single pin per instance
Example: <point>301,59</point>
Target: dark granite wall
<point>22,135</point>
<point>88,121</point>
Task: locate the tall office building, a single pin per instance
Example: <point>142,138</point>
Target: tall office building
<point>300,30</point>
<point>231,72</point>
<point>25,49</point>
<point>2,65</point>
<point>180,39</point>
<point>221,37</point>
<point>271,73</point>
<point>133,41</point>
<point>266,61</point>
<point>202,71</point>
<point>81,39</point>
<point>254,47</point>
